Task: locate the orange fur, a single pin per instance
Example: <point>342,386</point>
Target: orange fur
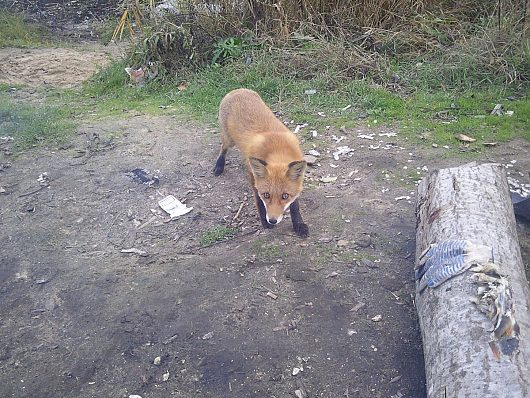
<point>272,152</point>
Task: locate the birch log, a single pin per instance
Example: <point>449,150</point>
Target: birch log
<point>471,202</point>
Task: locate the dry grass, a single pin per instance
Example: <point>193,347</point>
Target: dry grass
<point>357,38</point>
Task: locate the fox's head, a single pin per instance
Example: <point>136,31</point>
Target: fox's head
<point>278,185</point>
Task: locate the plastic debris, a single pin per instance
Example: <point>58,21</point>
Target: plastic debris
<point>498,111</point>
<point>310,91</point>
<point>341,150</point>
<point>43,179</point>
<point>314,152</point>
<point>157,361</point>
<point>174,207</point>
<point>444,260</point>
<point>377,318</point>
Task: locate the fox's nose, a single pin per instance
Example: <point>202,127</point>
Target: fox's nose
<point>272,221</point>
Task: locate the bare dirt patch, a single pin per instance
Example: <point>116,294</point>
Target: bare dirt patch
<point>59,67</point>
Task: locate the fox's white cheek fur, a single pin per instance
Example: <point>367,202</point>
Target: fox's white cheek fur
<point>267,213</point>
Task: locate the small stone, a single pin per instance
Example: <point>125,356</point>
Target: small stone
<point>207,336</point>
<point>296,371</point>
<point>363,241</point>
<point>342,243</point>
<point>377,318</point>
<point>310,159</point>
<point>157,361</point>
<point>165,376</point>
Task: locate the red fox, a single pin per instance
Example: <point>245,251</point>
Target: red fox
<point>272,153</point>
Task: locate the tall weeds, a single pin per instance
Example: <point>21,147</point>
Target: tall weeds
<point>470,41</point>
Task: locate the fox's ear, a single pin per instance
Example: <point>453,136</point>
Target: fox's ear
<point>259,167</point>
<point>296,169</point>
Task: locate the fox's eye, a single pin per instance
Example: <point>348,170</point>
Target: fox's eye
<point>266,195</point>
<point>285,196</point>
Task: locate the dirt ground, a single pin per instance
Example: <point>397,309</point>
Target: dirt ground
<point>264,314</point>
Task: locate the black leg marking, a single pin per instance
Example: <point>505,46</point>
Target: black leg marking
<point>299,227</point>
<point>262,211</point>
<point>220,164</point>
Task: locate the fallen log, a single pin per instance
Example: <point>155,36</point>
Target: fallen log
<point>472,296</point>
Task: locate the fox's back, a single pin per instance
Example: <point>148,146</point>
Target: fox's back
<point>253,128</point>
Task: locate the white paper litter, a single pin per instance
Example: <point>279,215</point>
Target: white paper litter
<point>174,207</point>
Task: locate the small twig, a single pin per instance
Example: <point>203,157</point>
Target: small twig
<point>238,211</point>
<point>35,191</point>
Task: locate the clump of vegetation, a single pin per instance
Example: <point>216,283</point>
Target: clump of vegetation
<point>15,32</point>
<point>217,233</point>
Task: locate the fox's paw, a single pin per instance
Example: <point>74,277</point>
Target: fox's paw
<point>302,230</point>
<point>217,171</point>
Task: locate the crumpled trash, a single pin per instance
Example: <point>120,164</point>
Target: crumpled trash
<point>174,207</point>
<point>142,176</point>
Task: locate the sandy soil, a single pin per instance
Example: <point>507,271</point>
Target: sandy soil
<point>59,67</point>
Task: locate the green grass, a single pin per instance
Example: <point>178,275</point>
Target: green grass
<point>265,250</point>
<point>34,125</point>
<point>15,32</point>
<point>217,233</point>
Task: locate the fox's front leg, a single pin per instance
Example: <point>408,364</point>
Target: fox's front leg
<point>299,227</point>
<point>261,210</point>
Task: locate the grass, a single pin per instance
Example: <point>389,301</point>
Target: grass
<point>217,233</point>
<point>34,125</point>
<point>265,250</point>
<point>434,116</point>
<point>15,32</point>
